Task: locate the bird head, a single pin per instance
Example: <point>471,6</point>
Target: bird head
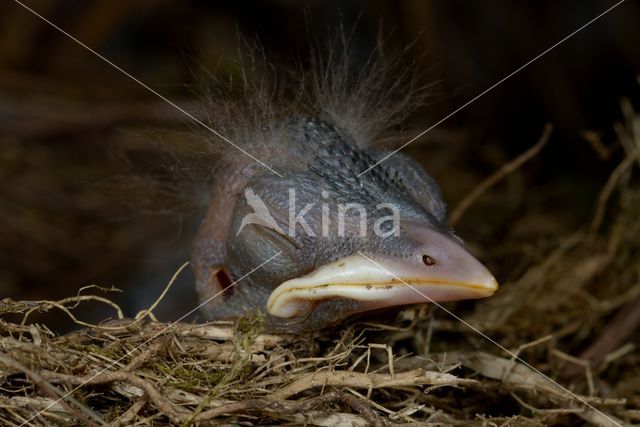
<point>344,242</point>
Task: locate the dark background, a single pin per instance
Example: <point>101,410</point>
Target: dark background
<point>72,127</point>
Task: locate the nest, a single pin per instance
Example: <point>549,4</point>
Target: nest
<point>554,346</point>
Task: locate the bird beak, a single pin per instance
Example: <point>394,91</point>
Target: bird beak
<point>387,281</point>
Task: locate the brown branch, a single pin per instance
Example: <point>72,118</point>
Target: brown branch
<point>498,175</point>
<point>362,380</point>
<point>293,407</point>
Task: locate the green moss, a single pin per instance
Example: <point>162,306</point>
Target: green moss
<point>186,377</point>
<point>247,328</point>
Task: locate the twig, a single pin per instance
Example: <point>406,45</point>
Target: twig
<point>577,362</point>
<point>625,322</point>
<point>607,190</point>
<point>148,312</point>
<point>601,150</point>
<point>45,305</point>
<point>164,405</point>
<point>292,407</point>
<point>498,175</point>
<point>357,379</point>
<point>522,377</point>
<point>129,415</point>
<point>156,347</point>
<point>525,346</point>
<point>81,412</point>
<point>545,411</point>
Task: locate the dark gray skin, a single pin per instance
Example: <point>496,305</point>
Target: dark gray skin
<point>327,160</point>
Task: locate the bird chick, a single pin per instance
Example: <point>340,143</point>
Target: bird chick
<point>341,239</point>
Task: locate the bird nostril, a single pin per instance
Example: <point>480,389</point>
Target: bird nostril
<point>428,261</point>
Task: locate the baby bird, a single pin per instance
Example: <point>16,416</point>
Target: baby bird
<point>327,237</point>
